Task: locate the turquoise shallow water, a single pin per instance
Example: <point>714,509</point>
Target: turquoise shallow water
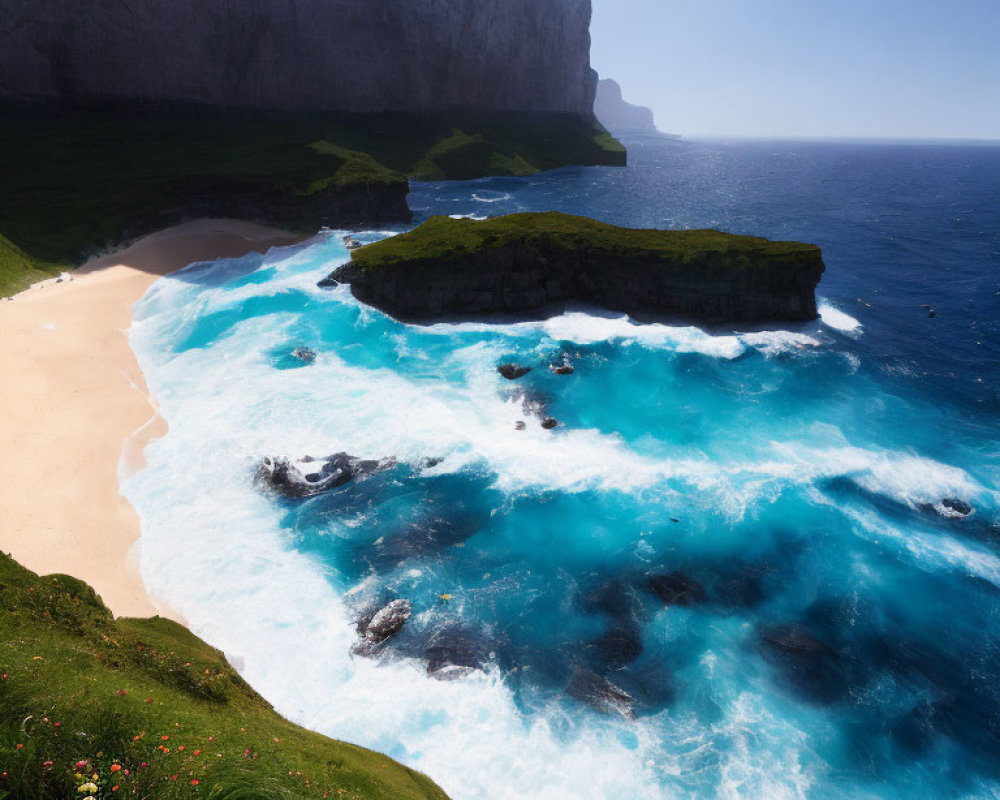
<point>838,633</point>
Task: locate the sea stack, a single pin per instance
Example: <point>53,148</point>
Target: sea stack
<point>524,263</point>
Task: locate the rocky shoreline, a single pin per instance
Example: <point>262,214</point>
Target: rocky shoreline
<point>527,262</point>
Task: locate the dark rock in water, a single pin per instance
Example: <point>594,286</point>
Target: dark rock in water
<point>957,506</point>
<point>617,648</point>
<point>562,369</point>
<point>808,665</point>
<point>549,423</point>
<point>600,693</point>
<point>312,476</point>
<point>513,371</point>
<point>527,263</point>
<point>793,640</point>
<point>304,354</point>
<point>455,651</point>
<point>677,589</point>
<point>520,425</point>
<point>386,623</point>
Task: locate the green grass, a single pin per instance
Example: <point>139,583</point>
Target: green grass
<point>442,237</point>
<point>74,184</point>
<point>77,685</point>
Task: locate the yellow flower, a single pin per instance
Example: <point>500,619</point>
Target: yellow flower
<point>87,788</point>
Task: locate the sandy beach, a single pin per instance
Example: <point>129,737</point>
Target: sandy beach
<point>75,406</point>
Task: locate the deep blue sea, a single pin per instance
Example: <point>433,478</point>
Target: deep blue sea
<point>741,567</point>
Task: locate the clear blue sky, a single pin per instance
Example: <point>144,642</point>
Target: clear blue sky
<point>787,68</point>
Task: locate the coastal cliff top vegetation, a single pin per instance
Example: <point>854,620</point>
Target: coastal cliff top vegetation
<point>100,708</point>
<point>443,238</point>
<point>75,184</point>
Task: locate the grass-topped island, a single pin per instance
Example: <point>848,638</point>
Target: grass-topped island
<point>526,262</point>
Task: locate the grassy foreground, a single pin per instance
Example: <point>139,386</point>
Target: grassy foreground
<point>93,707</point>
<point>76,183</point>
<point>443,237</point>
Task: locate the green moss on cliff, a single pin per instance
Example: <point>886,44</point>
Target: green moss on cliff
<point>73,184</point>
<point>442,237</point>
<point>153,709</point>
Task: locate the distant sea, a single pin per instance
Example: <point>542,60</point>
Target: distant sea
<point>754,564</point>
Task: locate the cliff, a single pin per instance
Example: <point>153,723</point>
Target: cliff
<point>615,114</point>
<point>301,55</point>
<point>525,262</point>
<point>93,706</point>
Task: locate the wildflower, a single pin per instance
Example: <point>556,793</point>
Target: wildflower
<point>149,700</point>
<point>87,788</point>
<point>122,693</point>
<point>195,781</point>
<point>116,767</point>
<point>19,746</point>
<point>144,764</point>
<point>211,738</point>
<point>127,773</point>
<point>197,752</point>
<point>173,777</point>
<point>180,747</point>
<point>114,788</point>
<point>246,753</point>
<point>80,766</point>
<point>5,676</point>
<point>276,740</point>
<point>46,764</point>
<point>164,738</point>
<point>58,724</point>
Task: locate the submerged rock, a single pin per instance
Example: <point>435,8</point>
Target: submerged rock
<point>454,651</point>
<point>513,371</point>
<point>527,262</point>
<point>310,476</point>
<point>600,693</point>
<point>385,624</point>
<point>677,589</point>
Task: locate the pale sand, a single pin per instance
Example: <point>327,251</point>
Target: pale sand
<point>74,404</point>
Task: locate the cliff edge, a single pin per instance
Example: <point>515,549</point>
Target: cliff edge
<point>302,55</point>
<point>615,114</point>
<point>526,262</point>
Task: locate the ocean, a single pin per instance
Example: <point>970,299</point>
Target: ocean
<point>746,564</point>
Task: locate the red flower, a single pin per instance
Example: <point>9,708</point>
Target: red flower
<point>122,693</point>
<point>114,788</point>
<point>46,764</point>
<point>164,738</point>
<point>194,781</point>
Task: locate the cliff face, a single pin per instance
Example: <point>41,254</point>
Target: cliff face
<point>617,115</point>
<point>301,55</point>
<point>527,262</point>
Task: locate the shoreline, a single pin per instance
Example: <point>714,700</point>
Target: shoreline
<point>77,409</point>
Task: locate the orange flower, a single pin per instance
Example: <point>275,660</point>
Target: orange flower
<point>114,788</point>
<point>164,738</point>
<point>116,767</point>
<point>180,747</point>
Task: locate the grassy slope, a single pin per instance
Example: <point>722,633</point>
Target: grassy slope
<point>73,184</point>
<point>441,237</point>
<point>75,684</point>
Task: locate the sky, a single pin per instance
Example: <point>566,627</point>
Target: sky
<point>805,68</point>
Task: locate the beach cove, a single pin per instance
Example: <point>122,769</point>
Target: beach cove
<point>81,414</point>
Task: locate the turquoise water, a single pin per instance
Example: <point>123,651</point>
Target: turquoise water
<point>842,636</point>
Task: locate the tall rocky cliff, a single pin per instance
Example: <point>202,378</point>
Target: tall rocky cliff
<point>615,114</point>
<point>301,55</point>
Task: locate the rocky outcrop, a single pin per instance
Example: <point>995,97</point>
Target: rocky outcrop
<point>301,55</point>
<point>311,476</point>
<point>617,115</point>
<point>527,262</point>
